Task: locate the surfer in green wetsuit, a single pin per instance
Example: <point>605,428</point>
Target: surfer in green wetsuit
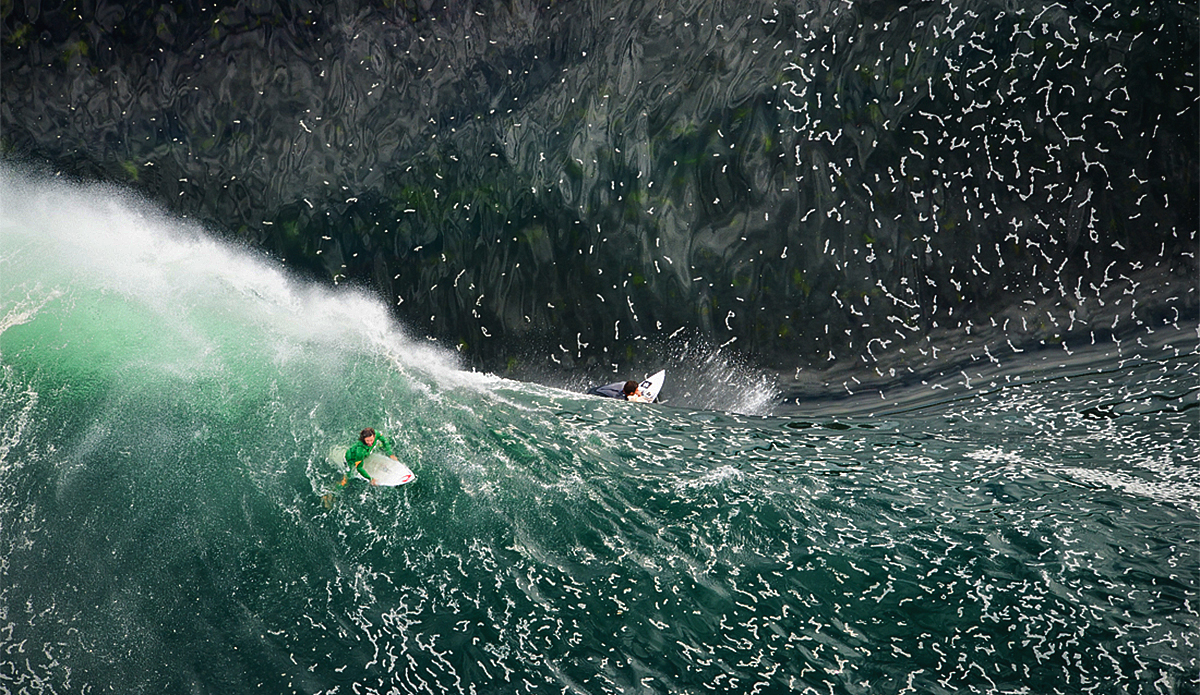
<point>368,442</point>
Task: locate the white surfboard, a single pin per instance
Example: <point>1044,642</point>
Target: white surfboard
<point>387,471</point>
<point>652,385</point>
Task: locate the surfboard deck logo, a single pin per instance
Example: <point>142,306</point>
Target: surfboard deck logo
<point>653,384</point>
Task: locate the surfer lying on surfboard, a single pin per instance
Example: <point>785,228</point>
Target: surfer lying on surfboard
<point>630,391</point>
<point>368,441</point>
<point>645,392</point>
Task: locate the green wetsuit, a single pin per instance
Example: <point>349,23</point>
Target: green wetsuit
<point>360,451</point>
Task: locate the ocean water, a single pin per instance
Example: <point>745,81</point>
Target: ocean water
<point>578,187</point>
<point>168,402</point>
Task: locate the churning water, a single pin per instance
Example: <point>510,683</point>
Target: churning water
<point>923,277</point>
<point>168,404</point>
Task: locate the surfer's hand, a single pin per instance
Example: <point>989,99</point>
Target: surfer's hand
<point>393,458</point>
<point>373,482</point>
<point>343,483</point>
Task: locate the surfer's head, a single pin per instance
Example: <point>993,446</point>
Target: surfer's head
<point>365,434</point>
<point>631,387</point>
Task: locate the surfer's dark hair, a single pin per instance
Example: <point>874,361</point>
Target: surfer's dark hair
<point>630,387</point>
<point>368,432</point>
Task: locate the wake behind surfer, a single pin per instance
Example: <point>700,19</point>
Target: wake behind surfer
<point>369,441</point>
<point>629,391</point>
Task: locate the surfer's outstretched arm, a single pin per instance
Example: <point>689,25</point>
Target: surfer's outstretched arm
<point>386,445</point>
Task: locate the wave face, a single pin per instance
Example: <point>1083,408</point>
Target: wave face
<point>855,186</point>
<point>170,402</point>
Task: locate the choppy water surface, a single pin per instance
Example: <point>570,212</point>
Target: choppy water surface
<point>169,404</point>
<point>923,277</point>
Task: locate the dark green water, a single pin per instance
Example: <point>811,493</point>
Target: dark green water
<point>553,188</point>
<point>168,404</point>
<point>923,277</point>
